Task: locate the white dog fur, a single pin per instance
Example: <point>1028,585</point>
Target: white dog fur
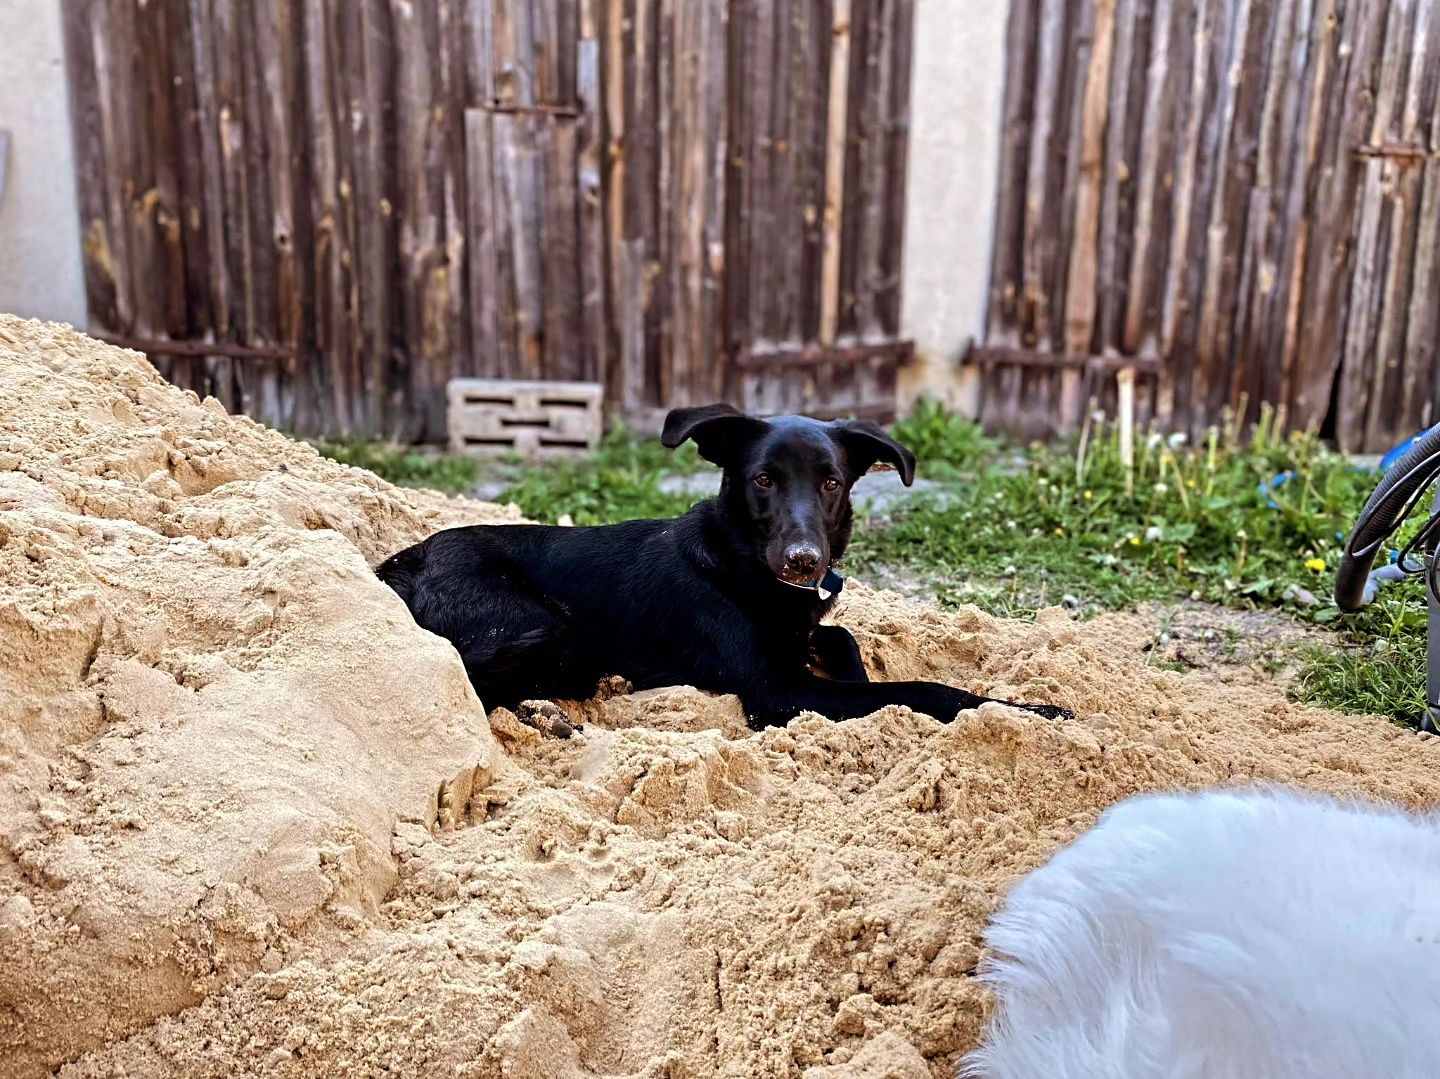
<point>1257,934</point>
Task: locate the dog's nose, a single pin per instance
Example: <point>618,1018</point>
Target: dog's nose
<point>803,559</point>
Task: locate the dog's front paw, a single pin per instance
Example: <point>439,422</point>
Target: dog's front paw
<point>1050,711</point>
<point>547,717</point>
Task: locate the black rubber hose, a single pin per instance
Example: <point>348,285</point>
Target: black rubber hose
<point>1384,511</point>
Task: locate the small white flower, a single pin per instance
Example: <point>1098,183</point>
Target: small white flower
<point>1177,440</point>
<point>1161,488</point>
<point>1009,571</point>
<point>1152,534</point>
<point>1153,440</point>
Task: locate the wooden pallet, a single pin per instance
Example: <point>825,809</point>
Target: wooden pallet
<point>534,419</point>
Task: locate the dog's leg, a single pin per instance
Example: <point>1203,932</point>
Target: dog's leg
<point>837,655</point>
<point>783,700</point>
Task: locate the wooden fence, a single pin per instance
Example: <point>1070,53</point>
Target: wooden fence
<point>1238,198</point>
<point>321,210</point>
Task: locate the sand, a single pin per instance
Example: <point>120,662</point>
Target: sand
<point>253,822</point>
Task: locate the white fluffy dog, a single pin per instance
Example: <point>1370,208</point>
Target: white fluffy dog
<point>1260,934</point>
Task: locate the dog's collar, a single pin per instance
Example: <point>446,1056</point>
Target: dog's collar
<point>827,586</point>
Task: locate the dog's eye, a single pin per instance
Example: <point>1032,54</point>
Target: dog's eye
<point>831,484</point>
<point>763,480</point>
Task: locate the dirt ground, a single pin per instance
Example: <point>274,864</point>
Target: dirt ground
<point>253,821</point>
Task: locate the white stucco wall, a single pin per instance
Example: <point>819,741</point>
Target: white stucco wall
<point>40,268</point>
<point>955,118</point>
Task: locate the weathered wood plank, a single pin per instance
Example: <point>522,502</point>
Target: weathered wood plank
<point>1385,405</point>
<point>590,152</point>
<point>483,268</point>
<point>1420,383</point>
<point>1116,170</point>
<point>834,170</point>
<point>1159,103</point>
<point>1336,182</point>
<point>1002,318</point>
<point>561,265</point>
<point>1081,306</point>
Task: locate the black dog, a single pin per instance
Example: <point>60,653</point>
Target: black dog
<point>727,598</point>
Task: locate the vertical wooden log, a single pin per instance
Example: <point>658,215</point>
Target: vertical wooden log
<point>1158,111</point>
<point>513,70</point>
<point>1321,319</point>
<point>1231,179</point>
<point>1080,291</point>
<point>1386,406</point>
<point>737,185</point>
<point>872,160</point>
<point>1117,168</point>
<point>1295,250</point>
<point>1002,318</point>
<point>590,154</point>
<point>834,170</point>
<point>91,166</point>
<point>561,263</point>
<point>480,245</point>
<point>1358,343</point>
<point>760,161</point>
<point>897,125</point>
<point>479,51</point>
<point>1420,384</point>
<point>618,386</point>
<point>709,381</point>
<point>1174,303</point>
<point>1256,372</point>
<point>329,376</point>
<point>274,92</point>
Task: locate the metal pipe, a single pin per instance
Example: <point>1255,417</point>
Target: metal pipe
<point>1431,721</point>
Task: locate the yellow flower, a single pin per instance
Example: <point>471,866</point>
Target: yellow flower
<point>1316,565</point>
<point>1134,541</point>
<point>1059,532</point>
<point>1088,496</point>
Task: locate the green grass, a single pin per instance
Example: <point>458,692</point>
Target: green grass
<point>405,465</point>
<point>617,483</point>
<point>1191,521</point>
<point>1023,527</point>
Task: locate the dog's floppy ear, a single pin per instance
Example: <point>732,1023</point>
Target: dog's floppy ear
<point>719,431</point>
<point>865,443</point>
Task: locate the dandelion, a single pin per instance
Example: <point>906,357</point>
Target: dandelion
<point>1060,532</point>
<point>1161,489</point>
<point>1315,565</point>
<point>1088,496</point>
<point>1134,541</point>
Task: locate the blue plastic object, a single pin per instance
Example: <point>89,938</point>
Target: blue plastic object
<point>1395,454</point>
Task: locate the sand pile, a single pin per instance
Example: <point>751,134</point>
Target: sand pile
<point>253,819</point>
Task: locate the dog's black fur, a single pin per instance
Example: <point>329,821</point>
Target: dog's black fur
<point>721,598</point>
